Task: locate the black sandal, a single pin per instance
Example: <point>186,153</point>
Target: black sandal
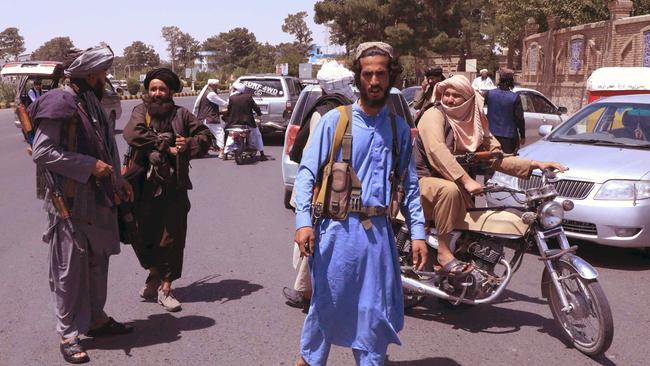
<point>111,327</point>
<point>71,348</point>
<point>455,268</point>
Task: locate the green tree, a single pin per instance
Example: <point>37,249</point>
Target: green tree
<point>292,54</point>
<point>172,34</point>
<point>641,7</point>
<point>295,25</point>
<point>55,49</point>
<point>11,43</point>
<point>232,48</point>
<point>188,50</point>
<point>139,56</point>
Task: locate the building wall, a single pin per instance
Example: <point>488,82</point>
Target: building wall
<point>559,62</point>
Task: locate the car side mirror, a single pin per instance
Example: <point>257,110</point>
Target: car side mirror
<point>562,110</point>
<point>545,130</point>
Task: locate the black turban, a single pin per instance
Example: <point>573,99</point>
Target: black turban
<point>166,76</point>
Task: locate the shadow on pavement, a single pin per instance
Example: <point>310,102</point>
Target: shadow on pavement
<point>509,296</point>
<point>274,140</point>
<point>157,329</point>
<point>438,361</point>
<point>225,290</point>
<point>484,319</point>
<point>612,257</point>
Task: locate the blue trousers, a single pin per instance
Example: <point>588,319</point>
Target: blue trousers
<point>315,349</point>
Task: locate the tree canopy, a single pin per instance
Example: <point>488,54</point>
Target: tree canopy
<point>55,49</point>
<point>11,43</point>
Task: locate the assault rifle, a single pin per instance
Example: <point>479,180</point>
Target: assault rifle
<point>480,163</point>
<point>56,195</point>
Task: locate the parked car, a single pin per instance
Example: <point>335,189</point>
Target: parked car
<point>276,95</point>
<point>609,81</point>
<point>606,146</point>
<point>306,101</point>
<point>50,73</point>
<point>410,94</point>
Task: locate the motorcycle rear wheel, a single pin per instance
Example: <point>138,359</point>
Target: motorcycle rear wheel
<point>590,312</point>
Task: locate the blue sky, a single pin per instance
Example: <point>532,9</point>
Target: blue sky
<point>120,22</point>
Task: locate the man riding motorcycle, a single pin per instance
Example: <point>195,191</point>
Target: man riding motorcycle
<point>455,126</point>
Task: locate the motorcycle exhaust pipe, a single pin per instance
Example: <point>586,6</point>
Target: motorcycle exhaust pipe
<point>417,287</point>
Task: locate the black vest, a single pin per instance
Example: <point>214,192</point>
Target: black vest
<point>207,110</point>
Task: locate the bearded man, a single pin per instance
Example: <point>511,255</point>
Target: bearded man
<point>164,137</point>
<point>75,143</point>
<point>357,292</point>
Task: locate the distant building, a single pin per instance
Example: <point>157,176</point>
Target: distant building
<point>319,55</point>
<point>201,62</point>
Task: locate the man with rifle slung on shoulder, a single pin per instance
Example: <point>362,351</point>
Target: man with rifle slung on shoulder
<point>78,176</point>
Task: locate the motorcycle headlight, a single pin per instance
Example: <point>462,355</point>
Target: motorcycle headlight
<point>624,190</point>
<point>551,214</point>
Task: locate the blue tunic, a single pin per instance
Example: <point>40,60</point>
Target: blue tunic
<point>357,291</point>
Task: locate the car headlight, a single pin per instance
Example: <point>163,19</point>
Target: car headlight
<point>504,180</point>
<point>624,190</point>
<point>551,214</point>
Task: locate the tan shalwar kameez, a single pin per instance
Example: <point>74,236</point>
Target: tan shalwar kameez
<point>444,200</point>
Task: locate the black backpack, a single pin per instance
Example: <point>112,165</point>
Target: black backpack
<point>324,104</point>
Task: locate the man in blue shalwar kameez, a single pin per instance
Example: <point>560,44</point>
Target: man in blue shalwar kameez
<point>357,292</point>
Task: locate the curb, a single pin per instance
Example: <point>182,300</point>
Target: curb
<point>5,105</point>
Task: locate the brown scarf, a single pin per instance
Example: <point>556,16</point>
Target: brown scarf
<point>467,120</point>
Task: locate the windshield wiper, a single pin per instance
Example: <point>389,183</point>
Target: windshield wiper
<point>603,142</point>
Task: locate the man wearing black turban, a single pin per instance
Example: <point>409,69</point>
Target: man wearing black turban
<point>163,138</point>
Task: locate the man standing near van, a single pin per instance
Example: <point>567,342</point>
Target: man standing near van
<point>35,91</point>
<point>357,294</point>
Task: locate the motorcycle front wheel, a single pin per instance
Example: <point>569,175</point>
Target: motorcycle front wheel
<point>588,325</point>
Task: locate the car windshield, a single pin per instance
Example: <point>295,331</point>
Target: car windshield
<point>409,93</point>
<point>610,124</point>
<point>264,87</point>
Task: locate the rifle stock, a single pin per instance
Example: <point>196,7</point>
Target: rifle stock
<point>58,200</point>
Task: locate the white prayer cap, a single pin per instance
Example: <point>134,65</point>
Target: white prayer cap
<point>335,78</point>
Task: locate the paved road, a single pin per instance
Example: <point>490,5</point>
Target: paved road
<point>238,259</point>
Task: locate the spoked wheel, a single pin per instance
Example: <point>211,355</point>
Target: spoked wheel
<point>588,324</point>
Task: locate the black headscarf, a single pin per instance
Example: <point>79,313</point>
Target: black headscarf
<point>165,75</point>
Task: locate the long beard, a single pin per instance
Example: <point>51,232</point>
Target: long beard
<point>97,89</point>
<point>374,102</point>
<point>158,107</point>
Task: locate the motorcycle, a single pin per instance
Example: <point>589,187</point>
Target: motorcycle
<point>241,150</point>
<point>577,301</point>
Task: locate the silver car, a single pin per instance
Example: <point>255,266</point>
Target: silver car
<point>606,146</point>
<point>307,99</point>
<point>276,95</point>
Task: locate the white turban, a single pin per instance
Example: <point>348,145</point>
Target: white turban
<point>335,78</point>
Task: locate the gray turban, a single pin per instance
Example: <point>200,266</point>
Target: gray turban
<point>90,61</point>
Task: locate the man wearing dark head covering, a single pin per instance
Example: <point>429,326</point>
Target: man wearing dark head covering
<point>506,114</point>
<point>75,142</point>
<point>433,76</point>
<point>163,137</point>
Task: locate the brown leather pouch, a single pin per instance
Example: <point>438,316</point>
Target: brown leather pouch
<point>396,200</point>
<point>338,195</point>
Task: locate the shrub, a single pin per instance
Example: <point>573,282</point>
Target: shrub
<point>8,91</point>
<point>133,86</point>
